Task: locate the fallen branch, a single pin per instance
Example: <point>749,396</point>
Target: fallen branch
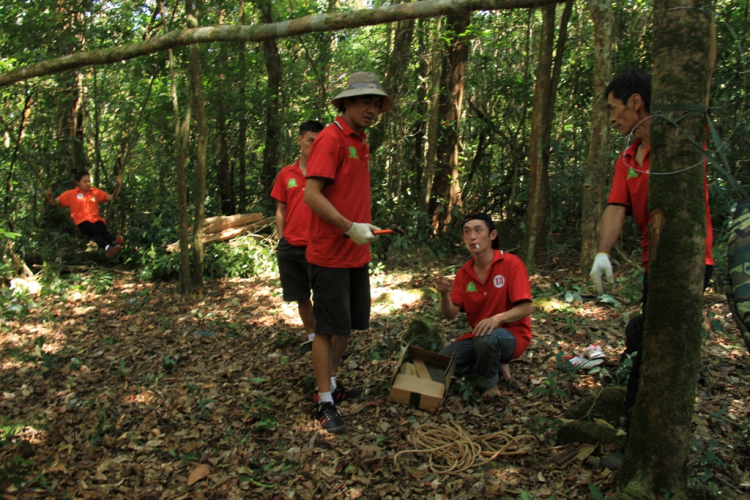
<point>227,234</point>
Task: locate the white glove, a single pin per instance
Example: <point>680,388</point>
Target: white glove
<point>361,232</point>
<point>601,265</point>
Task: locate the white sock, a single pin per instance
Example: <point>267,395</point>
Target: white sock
<point>310,336</point>
<point>325,397</point>
<point>106,248</point>
<point>333,383</point>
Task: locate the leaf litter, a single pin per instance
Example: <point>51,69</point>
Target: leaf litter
<point>139,393</point>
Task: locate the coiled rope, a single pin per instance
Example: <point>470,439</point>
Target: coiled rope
<point>451,449</point>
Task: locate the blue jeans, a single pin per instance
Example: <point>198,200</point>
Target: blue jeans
<point>481,356</point>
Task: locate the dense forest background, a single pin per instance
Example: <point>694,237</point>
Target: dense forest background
<point>427,163</point>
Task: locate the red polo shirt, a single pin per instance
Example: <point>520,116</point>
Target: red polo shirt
<point>83,207</point>
<point>506,284</point>
<point>342,158</point>
<point>630,189</point>
<point>289,188</point>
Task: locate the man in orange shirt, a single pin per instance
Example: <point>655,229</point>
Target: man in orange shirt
<point>84,210</point>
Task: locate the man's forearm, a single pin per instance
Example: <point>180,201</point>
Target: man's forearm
<point>516,313</point>
<point>280,214</point>
<point>450,310</point>
<point>610,228</point>
<point>322,206</point>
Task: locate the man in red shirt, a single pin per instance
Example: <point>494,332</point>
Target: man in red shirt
<point>493,289</point>
<point>338,192</point>
<point>84,210</point>
<point>628,101</point>
<point>292,222</point>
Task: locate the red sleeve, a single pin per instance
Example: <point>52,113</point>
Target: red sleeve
<point>618,195</point>
<point>101,196</point>
<point>459,286</point>
<point>278,192</point>
<point>67,197</point>
<point>520,289</point>
<point>324,156</point>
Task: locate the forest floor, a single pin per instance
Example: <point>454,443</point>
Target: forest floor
<point>121,389</point>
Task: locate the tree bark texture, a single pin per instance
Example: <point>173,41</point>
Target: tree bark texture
<point>242,134</point>
<point>260,32</point>
<point>445,190</point>
<point>539,176</point>
<point>182,136</point>
<point>656,457</point>
<point>598,162</point>
<point>196,91</point>
<point>273,91</point>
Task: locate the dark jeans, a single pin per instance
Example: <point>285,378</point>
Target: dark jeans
<point>634,343</point>
<point>481,356</point>
<point>98,232</point>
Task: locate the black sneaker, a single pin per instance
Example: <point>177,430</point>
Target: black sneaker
<point>329,418</point>
<point>304,348</point>
<point>341,393</point>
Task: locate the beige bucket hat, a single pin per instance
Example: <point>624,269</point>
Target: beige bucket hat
<point>364,83</point>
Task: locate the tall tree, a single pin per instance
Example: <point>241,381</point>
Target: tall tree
<point>545,91</point>
<point>656,456</point>
<point>539,178</point>
<point>242,134</point>
<point>182,136</point>
<point>196,96</point>
<point>598,162</point>
<point>273,92</point>
<point>445,189</point>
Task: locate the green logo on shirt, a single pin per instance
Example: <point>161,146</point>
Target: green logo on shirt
<point>632,173</point>
<point>471,287</point>
<point>291,184</point>
<point>94,198</point>
<point>353,152</point>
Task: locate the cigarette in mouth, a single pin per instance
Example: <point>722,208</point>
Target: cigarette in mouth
<point>476,246</point>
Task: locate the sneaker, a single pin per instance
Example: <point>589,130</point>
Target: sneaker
<point>112,250</point>
<point>341,393</point>
<point>119,240</point>
<point>329,418</point>
<point>304,348</point>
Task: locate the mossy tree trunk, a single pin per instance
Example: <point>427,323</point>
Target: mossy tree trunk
<point>656,458</point>
<point>445,189</point>
<point>196,96</point>
<point>598,162</point>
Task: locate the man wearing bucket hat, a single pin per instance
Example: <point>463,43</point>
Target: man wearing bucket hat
<point>338,192</point>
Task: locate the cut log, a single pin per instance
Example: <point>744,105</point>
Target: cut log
<point>222,222</point>
<point>227,234</point>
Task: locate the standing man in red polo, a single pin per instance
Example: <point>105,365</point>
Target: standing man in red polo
<point>338,191</point>
<point>493,289</point>
<point>292,221</point>
<point>629,105</point>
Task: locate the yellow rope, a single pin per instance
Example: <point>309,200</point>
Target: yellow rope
<point>451,449</point>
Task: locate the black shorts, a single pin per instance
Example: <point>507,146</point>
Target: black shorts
<point>294,271</point>
<point>342,299</point>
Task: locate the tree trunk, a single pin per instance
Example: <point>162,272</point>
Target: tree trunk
<point>656,457</point>
<point>445,190</point>
<point>539,176</point>
<point>433,121</point>
<point>273,92</point>
<point>14,157</point>
<point>196,91</point>
<point>182,136</point>
<point>598,162</point>
<point>416,160</point>
<point>260,32</point>
<point>242,135</point>
<point>223,172</point>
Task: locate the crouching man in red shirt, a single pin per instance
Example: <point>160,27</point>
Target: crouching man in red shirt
<point>493,289</point>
